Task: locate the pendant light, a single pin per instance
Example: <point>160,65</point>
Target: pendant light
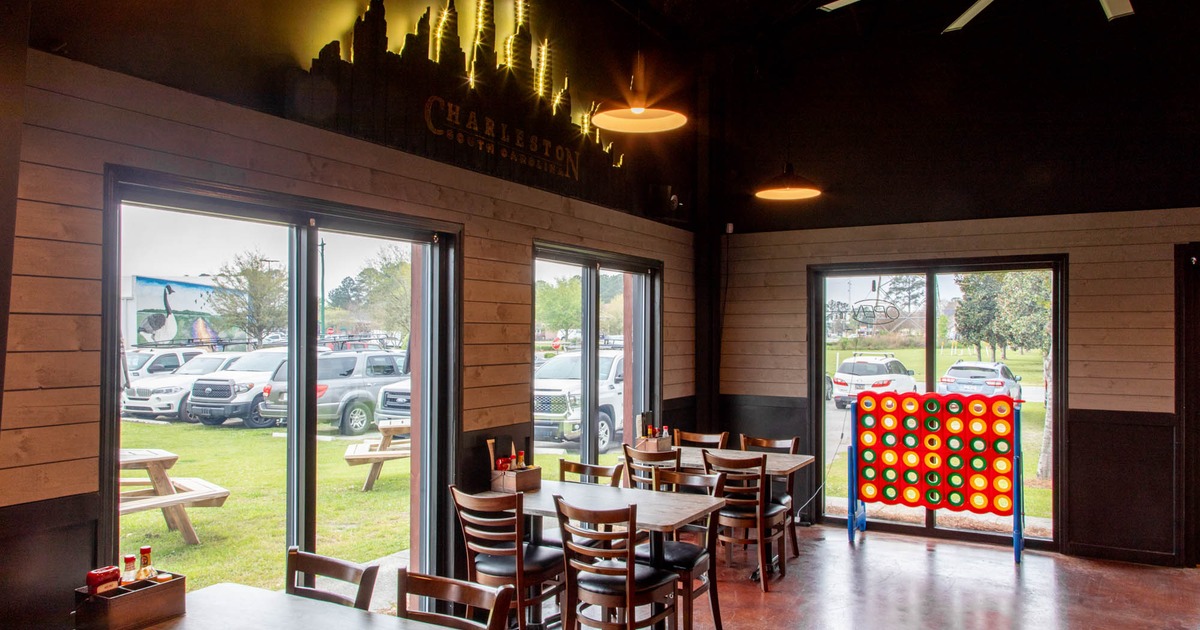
<point>787,187</point>
<point>637,118</point>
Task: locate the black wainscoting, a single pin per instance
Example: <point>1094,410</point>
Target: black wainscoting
<point>1121,486</point>
<point>775,417</point>
<point>680,413</point>
<point>46,548</point>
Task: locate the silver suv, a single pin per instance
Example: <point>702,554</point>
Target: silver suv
<point>873,372</point>
<point>979,377</point>
<point>348,383</point>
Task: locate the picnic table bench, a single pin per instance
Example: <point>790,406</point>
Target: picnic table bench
<point>161,492</point>
<point>385,449</point>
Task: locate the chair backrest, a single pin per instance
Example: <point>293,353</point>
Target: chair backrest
<point>495,600</point>
<point>640,465</point>
<point>710,440</point>
<point>745,479</point>
<point>493,525</point>
<point>712,485</point>
<point>311,564</point>
<point>586,472</point>
<point>790,446</point>
<point>600,542</point>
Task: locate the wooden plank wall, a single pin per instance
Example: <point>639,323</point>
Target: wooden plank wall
<point>1121,300</point>
<point>79,118</point>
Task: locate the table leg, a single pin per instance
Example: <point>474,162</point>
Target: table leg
<point>372,476</point>
<point>175,515</point>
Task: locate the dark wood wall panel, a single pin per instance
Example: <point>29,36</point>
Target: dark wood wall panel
<point>775,417</point>
<point>48,547</point>
<point>1122,499</point>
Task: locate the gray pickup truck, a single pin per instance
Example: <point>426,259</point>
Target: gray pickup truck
<point>348,384</point>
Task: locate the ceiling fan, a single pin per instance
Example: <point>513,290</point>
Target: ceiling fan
<point>1112,8</point>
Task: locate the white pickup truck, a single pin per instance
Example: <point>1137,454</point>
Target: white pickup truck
<point>236,392</point>
<point>557,415</point>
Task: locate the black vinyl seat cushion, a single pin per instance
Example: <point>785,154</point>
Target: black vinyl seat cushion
<point>677,555</point>
<point>537,558</point>
<point>772,509</point>
<point>645,578</point>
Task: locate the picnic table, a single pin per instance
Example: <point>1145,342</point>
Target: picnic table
<point>385,449</point>
<point>160,491</point>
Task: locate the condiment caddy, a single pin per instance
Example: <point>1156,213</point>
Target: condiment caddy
<point>655,440</point>
<point>511,474</point>
<point>118,598</point>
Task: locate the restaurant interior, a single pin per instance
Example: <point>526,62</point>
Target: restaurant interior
<point>649,289</point>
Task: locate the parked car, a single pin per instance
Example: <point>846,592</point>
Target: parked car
<point>980,377</point>
<point>870,371</point>
<point>348,383</point>
<point>236,391</point>
<point>395,401</point>
<point>557,415</point>
<point>167,394</point>
<point>147,361</point>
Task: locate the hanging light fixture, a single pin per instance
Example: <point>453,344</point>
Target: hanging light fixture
<point>637,118</point>
<point>787,187</point>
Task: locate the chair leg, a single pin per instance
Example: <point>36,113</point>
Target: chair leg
<point>763,561</point>
<point>713,603</point>
<point>520,603</point>
<point>783,552</point>
<point>683,599</point>
<point>792,534</point>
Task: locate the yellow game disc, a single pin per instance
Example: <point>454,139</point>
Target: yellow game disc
<point>932,442</point>
<point>979,501</point>
<point>978,426</point>
<point>1002,465</point>
<point>978,482</point>
<point>889,422</point>
<point>1002,503</point>
<point>869,490</point>
<point>977,407</point>
<point>867,438</point>
<point>911,495</point>
<point>910,405</point>
<point>1001,408</point>
<point>889,404</point>
<point>1001,427</point>
<point>911,459</point>
<point>933,460</point>
<point>1002,484</point>
<point>889,458</point>
<point>866,403</point>
<point>955,425</point>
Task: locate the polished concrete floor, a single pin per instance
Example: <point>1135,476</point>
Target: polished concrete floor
<point>890,581</point>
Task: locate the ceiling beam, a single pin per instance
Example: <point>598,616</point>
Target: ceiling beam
<point>836,4</point>
<point>969,15</point>
<point>1116,8</point>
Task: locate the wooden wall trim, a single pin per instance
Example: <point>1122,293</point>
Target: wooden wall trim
<point>14,38</point>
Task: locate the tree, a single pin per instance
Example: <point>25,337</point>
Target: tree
<point>836,315</point>
<point>559,305</point>
<point>349,294</point>
<point>250,295</point>
<point>977,312</point>
<point>906,291</point>
<point>386,282</point>
<point>1024,317</point>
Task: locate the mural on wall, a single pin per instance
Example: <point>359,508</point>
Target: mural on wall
<point>494,110</point>
<point>175,312</point>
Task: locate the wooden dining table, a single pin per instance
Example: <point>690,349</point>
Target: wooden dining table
<point>778,464</point>
<point>238,607</point>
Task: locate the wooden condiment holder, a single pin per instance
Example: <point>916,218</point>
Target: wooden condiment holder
<point>519,480</point>
<point>134,605</point>
<point>653,444</point>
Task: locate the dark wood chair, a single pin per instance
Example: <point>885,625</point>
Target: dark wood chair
<point>707,440</point>
<point>640,465</point>
<point>493,529</point>
<point>495,600</point>
<point>605,586</point>
<point>691,561</point>
<point>313,565</point>
<point>781,445</point>
<point>748,511</point>
<point>590,473</point>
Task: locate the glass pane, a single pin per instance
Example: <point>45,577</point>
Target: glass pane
<point>622,379</point>
<point>197,282</point>
<point>371,323</point>
<point>874,342</point>
<point>558,364</point>
<point>994,338</point>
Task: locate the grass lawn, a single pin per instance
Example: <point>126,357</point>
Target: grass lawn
<point>1027,365</point>
<point>243,541</point>
<point>1038,495</point>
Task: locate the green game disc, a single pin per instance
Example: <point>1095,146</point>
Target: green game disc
<point>910,440</point>
<point>956,499</point>
<point>933,478</point>
<point>869,473</point>
<point>890,475</point>
<point>889,492</point>
<point>1002,446</point>
<point>978,445</point>
<point>868,420</point>
<point>954,407</point>
<point>933,424</point>
<point>889,439</point>
<point>978,464</point>
<point>933,496</point>
<point>868,455</point>
<point>932,406</point>
<point>911,477</point>
<point>910,423</point>
<point>955,480</point>
<point>954,443</point>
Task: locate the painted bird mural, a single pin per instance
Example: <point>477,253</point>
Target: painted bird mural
<point>159,327</point>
